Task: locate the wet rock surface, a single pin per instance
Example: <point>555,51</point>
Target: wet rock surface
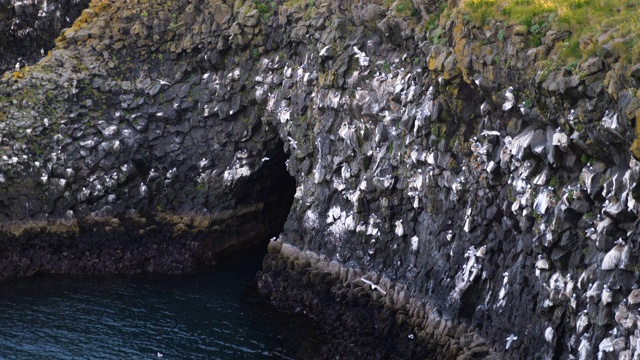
<point>456,187</point>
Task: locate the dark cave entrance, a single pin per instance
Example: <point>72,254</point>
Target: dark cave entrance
<point>272,186</point>
<point>278,187</point>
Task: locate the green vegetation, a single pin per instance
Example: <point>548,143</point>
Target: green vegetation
<point>266,8</point>
<point>433,20</point>
<point>572,67</point>
<point>291,3</point>
<point>435,38</point>
<point>532,195</point>
<point>592,23</point>
<point>307,16</point>
<point>586,159</point>
<point>405,7</point>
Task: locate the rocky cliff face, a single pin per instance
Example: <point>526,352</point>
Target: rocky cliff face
<point>456,192</point>
<point>29,28</point>
<point>112,135</point>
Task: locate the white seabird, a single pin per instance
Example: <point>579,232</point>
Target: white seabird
<point>592,291</point>
<point>471,252</point>
<point>511,100</point>
<point>362,57</point>
<point>584,349</point>
<point>202,163</point>
<point>610,119</point>
<point>346,171</point>
<point>606,345</point>
<point>568,288</point>
<point>399,228</point>
<point>634,296</point>
<point>84,194</point>
<point>325,51</point>
<point>607,295</point>
<point>153,174</point>
<point>292,142</point>
<point>550,335</point>
<point>503,290</point>
<point>162,82</point>
<point>458,184</point>
<point>414,243</point>
<point>373,286</point>
<point>143,190</point>
<point>348,133</point>
<point>159,354</point>
<point>582,322</point>
<point>475,145</point>
<point>511,338</point>
<point>482,251</point>
<point>523,107</point>
<point>477,78</point>
<point>484,108</point>
<point>612,258</point>
<point>541,264</point>
<point>450,235</point>
<point>17,67</point>
<point>490,133</point>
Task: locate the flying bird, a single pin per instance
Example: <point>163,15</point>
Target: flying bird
<point>511,339</point>
<point>373,286</point>
<point>362,57</point>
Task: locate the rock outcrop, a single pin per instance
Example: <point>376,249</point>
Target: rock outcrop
<point>461,189</point>
<point>29,28</point>
<point>123,169</point>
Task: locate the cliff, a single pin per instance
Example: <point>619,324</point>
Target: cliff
<point>456,184</point>
<point>29,28</point>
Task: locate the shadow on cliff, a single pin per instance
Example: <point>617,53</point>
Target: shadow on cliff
<point>272,185</point>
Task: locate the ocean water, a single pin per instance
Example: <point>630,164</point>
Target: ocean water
<point>212,315</point>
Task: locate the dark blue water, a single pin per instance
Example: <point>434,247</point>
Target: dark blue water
<point>216,315</point>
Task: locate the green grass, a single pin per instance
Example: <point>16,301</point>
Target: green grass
<point>405,8</point>
<point>266,8</point>
<point>586,19</point>
<point>304,3</point>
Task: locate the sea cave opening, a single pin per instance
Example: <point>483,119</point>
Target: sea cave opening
<point>272,186</point>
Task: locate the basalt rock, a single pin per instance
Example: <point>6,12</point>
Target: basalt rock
<point>450,184</point>
<point>30,27</point>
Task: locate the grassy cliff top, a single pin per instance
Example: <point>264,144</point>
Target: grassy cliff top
<point>592,23</point>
